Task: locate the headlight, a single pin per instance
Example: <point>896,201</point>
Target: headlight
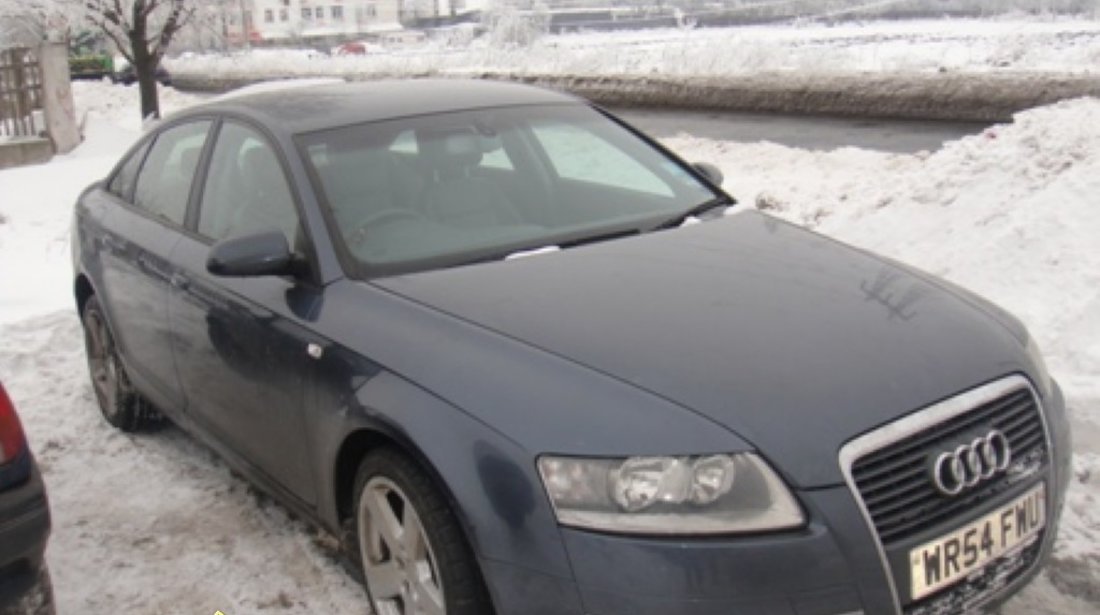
<point>1036,357</point>
<point>714,494</point>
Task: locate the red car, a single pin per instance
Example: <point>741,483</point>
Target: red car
<point>24,522</point>
<point>352,49</point>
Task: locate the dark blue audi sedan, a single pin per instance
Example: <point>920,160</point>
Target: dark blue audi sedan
<point>463,326</point>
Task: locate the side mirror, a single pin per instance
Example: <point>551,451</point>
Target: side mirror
<point>261,254</point>
<point>710,172</point>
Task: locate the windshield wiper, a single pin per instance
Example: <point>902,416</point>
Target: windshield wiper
<point>598,237</point>
<point>700,209</point>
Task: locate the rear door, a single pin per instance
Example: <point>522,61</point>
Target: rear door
<point>151,192</point>
<point>242,343</point>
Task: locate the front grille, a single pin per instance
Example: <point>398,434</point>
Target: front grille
<point>894,481</point>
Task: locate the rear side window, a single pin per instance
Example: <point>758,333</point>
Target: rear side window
<point>122,185</point>
<point>164,183</point>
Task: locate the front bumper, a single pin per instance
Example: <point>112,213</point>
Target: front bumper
<point>819,570</point>
<point>830,567</point>
<point>834,565</point>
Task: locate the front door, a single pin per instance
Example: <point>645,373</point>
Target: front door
<point>242,344</point>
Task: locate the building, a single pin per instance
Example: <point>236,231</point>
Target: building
<point>282,20</point>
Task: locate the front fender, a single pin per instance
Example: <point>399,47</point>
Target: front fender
<point>490,481</point>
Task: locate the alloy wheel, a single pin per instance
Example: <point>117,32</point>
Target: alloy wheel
<point>102,362</point>
<point>398,559</point>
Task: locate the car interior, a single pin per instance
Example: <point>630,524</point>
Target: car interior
<point>422,188</point>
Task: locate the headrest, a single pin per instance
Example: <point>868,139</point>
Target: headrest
<point>260,164</point>
<point>459,149</point>
<point>462,144</point>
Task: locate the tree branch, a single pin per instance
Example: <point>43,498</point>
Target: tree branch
<point>121,44</point>
<point>177,19</point>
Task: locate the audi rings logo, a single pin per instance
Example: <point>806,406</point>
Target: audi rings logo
<point>970,463</point>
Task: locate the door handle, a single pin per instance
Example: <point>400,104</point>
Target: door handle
<point>110,244</point>
<point>180,281</point>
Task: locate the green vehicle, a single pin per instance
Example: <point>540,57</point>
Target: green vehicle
<point>88,58</point>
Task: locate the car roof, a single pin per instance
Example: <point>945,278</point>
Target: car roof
<point>298,110</point>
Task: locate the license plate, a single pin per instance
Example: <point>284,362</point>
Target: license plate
<point>947,559</point>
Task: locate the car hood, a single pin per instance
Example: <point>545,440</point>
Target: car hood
<point>795,342</point>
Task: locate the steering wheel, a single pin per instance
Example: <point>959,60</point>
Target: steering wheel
<point>381,218</point>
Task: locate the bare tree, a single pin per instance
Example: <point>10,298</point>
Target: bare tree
<point>142,31</point>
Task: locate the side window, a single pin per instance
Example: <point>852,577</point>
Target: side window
<point>122,185</point>
<point>493,155</point>
<point>164,182</point>
<point>246,190</point>
<point>405,143</point>
<point>581,155</point>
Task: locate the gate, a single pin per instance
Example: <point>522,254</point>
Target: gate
<point>20,94</point>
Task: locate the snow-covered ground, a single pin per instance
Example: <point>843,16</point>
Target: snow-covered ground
<point>1009,44</point>
<point>156,524</point>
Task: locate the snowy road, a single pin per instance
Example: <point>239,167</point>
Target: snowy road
<point>812,133</point>
<point>156,524</point>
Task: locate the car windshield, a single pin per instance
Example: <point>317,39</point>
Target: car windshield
<point>447,189</point>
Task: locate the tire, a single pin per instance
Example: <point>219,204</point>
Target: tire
<point>119,402</point>
<point>37,601</point>
<point>412,565</point>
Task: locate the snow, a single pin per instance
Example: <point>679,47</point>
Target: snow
<point>1012,45</point>
<point>155,523</point>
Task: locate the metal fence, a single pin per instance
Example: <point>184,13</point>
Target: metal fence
<point>20,93</point>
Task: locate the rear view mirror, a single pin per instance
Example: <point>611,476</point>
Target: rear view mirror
<point>260,254</point>
<point>711,172</point>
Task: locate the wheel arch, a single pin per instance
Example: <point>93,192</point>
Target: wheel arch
<point>82,290</point>
<point>364,440</point>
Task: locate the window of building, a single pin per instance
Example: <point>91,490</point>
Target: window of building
<point>269,16</point>
<point>307,13</point>
<point>372,10</point>
<point>337,13</point>
<point>320,12</point>
<point>283,15</point>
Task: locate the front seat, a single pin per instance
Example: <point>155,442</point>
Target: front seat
<point>267,200</point>
<point>456,196</point>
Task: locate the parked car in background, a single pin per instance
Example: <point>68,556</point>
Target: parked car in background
<point>358,48</point>
<point>87,56</point>
<point>466,327</point>
<point>90,66</point>
<point>24,522</point>
<point>126,75</point>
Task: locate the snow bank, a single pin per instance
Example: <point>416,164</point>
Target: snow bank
<point>905,46</point>
<point>156,524</point>
<point>960,70</point>
<point>36,200</point>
